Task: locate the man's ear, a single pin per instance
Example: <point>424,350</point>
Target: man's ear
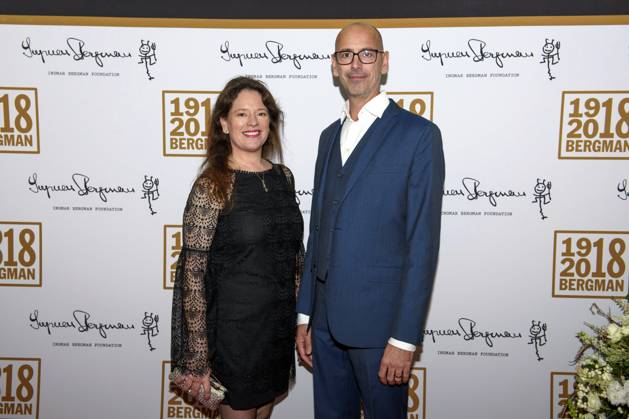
<point>385,63</point>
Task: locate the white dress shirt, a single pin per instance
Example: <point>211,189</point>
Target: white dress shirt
<point>351,134</point>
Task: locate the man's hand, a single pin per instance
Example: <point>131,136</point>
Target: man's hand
<point>304,344</point>
<point>395,366</point>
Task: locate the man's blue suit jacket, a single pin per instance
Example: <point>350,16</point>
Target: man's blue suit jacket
<point>386,232</point>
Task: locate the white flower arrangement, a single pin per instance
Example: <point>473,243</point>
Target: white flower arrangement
<point>602,369</point>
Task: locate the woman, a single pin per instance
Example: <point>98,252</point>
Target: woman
<point>234,293</point>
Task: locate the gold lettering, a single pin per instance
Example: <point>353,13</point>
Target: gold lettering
<point>413,397</point>
<point>188,143</point>
<point>16,408</point>
<point>597,146</point>
<point>618,285</point>
<point>590,284</point>
<point>570,146</point>
<point>17,273</point>
<point>19,140</point>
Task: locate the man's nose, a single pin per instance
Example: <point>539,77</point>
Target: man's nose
<point>356,63</point>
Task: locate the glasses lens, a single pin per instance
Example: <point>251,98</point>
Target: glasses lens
<point>367,56</point>
<point>344,57</point>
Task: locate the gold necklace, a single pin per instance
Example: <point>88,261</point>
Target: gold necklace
<point>262,181</point>
<point>266,189</point>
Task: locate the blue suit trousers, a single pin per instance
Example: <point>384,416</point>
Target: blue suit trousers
<point>345,376</point>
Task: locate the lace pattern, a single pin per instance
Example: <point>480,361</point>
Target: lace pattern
<point>299,257</point>
<point>191,332</point>
<point>194,316</point>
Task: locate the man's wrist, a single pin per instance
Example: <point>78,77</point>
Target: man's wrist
<point>402,345</point>
<point>302,319</point>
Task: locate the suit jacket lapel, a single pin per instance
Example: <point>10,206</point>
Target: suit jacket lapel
<point>322,173</point>
<point>373,139</point>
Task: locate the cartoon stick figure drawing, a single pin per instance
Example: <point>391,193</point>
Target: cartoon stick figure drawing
<point>550,55</point>
<point>147,56</point>
<point>149,327</point>
<point>542,195</point>
<point>537,333</point>
<point>150,191</point>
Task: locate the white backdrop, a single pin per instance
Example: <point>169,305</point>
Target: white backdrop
<point>98,127</point>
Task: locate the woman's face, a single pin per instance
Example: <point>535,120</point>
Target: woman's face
<point>247,123</point>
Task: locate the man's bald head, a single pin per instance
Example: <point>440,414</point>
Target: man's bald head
<point>358,27</point>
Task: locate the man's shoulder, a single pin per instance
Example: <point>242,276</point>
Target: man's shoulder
<point>331,128</point>
<point>412,119</point>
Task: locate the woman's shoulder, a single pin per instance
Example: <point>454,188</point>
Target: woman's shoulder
<point>287,172</point>
<point>203,185</point>
<point>203,193</point>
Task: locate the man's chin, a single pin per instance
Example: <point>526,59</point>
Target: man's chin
<point>355,91</point>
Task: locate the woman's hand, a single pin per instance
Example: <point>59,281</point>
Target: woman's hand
<point>192,384</point>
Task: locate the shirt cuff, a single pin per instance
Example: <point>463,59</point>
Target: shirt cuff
<point>402,345</point>
<point>302,319</point>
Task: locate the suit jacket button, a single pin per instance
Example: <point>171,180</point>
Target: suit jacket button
<point>317,227</point>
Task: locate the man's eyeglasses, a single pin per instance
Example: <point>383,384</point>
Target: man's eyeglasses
<point>366,56</point>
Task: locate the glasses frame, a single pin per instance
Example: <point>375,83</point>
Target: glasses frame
<point>377,51</point>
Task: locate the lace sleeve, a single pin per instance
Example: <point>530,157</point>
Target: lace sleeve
<point>299,257</point>
<point>299,267</point>
<point>192,342</point>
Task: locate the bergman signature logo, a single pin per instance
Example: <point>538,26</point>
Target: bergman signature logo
<point>470,331</point>
<point>273,51</point>
<point>76,49</point>
<point>472,191</point>
<point>477,51</point>
<point>82,322</point>
<point>83,186</point>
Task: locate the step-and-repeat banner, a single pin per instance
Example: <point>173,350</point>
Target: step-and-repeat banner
<point>102,129</point>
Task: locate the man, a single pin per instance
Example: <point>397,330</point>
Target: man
<point>373,244</point>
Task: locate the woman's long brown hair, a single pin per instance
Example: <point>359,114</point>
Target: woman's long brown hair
<point>216,166</point>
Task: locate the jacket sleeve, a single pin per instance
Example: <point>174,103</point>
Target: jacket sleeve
<point>305,296</point>
<point>423,226</point>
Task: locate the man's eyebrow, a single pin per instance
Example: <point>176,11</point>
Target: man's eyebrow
<point>351,50</point>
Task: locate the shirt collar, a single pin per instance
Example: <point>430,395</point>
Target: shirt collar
<point>376,107</point>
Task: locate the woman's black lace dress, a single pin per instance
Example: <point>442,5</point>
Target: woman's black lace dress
<point>234,293</point>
